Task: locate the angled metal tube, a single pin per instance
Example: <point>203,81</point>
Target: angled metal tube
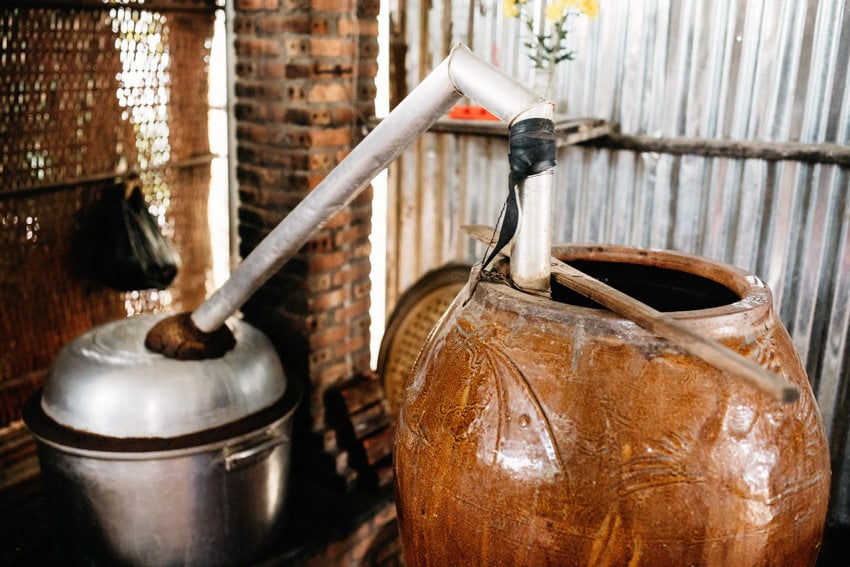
<point>461,73</point>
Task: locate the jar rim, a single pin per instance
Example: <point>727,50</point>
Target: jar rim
<point>754,298</point>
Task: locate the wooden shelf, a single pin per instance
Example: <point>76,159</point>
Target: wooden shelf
<point>568,131</point>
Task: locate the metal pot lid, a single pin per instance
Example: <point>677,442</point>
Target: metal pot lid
<point>106,382</point>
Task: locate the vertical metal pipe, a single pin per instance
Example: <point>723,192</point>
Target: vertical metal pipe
<point>512,102</point>
<point>530,264</point>
<point>233,182</point>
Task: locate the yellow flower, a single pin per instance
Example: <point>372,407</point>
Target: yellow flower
<point>511,8</point>
<point>589,7</point>
<point>557,9</point>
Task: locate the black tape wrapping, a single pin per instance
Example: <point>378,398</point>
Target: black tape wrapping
<point>531,151</point>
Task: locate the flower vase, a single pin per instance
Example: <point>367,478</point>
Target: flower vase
<point>545,85</point>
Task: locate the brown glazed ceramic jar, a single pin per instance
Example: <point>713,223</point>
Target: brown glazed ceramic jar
<point>542,431</point>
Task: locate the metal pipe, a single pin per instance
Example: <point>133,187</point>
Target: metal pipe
<point>530,267</point>
<point>461,73</point>
<point>501,95</point>
<point>232,162</point>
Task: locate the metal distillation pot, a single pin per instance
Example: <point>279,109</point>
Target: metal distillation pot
<point>153,461</point>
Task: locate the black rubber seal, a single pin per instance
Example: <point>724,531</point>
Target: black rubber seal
<point>531,151</point>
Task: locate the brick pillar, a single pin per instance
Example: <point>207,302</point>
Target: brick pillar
<point>305,84</point>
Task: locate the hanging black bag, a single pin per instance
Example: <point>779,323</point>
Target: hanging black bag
<point>133,251</point>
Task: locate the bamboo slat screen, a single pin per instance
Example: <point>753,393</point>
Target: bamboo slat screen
<point>89,91</point>
<point>752,71</point>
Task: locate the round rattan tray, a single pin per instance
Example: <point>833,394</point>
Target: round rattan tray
<point>417,311</point>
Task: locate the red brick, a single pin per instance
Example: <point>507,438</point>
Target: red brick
<point>355,233</point>
<point>257,133</point>
<point>329,299</point>
<point>332,47</point>
<point>272,69</point>
<point>368,8</point>
<point>290,23</point>
<point>360,361</point>
<point>255,5</point>
<point>314,180</point>
<point>332,5</point>
<point>260,176</point>
<point>367,48</point>
<point>361,251</point>
<point>296,47</point>
<point>319,282</point>
<point>296,93</point>
<point>348,26</point>
<point>298,71</point>
<point>366,68</point>
<point>342,218</point>
<point>258,89</point>
<point>334,70</point>
<point>352,26</point>
<point>360,325</point>
<point>344,115</point>
<point>291,159</point>
<point>322,160</point>
<point>352,272</point>
<point>261,216</point>
<point>299,116</point>
<point>329,137</point>
<point>246,69</point>
<point>297,138</point>
<point>321,356</point>
<point>244,25</point>
<point>293,5</point>
<point>330,375</point>
<point>320,243</point>
<point>307,116</point>
<point>256,47</point>
<point>359,307</point>
<point>260,111</point>
<point>320,26</point>
<point>296,183</point>
<point>364,199</point>
<point>340,155</point>
<point>362,290</point>
<point>329,92</point>
<point>325,262</point>
<point>366,90</point>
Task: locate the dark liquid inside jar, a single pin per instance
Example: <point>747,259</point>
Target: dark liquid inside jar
<point>660,288</point>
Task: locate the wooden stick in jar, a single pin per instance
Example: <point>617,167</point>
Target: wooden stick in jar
<point>662,325</point>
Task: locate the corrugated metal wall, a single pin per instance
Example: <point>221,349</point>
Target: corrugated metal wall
<point>749,70</point>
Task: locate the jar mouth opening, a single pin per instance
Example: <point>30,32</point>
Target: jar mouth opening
<point>666,280</point>
<point>663,289</point>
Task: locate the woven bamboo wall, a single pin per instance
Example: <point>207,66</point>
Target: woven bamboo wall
<point>88,91</point>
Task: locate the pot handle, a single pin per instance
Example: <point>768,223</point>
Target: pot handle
<point>245,456</point>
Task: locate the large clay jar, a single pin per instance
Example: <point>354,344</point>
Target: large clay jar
<point>541,431</point>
